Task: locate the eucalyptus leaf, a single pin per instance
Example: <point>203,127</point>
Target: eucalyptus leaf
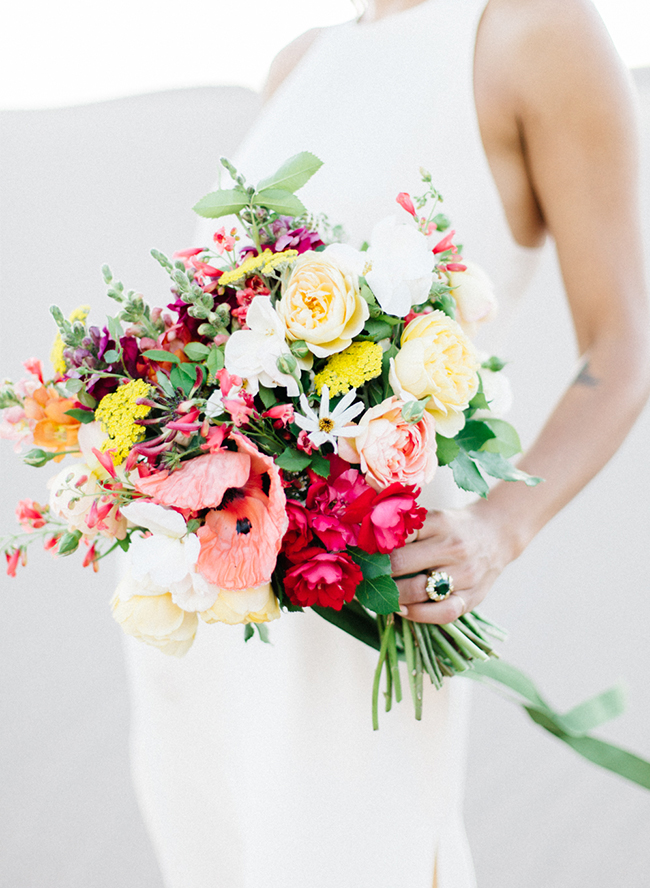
<point>379,594</point>
<point>280,201</point>
<point>221,203</point>
<point>111,356</point>
<point>293,174</point>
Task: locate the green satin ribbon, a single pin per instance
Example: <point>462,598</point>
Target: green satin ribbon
<point>572,727</point>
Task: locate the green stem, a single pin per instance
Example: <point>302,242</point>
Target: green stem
<point>428,656</point>
<point>464,643</point>
<point>375,685</point>
<point>409,653</point>
<point>458,662</point>
<point>393,659</point>
<point>418,681</point>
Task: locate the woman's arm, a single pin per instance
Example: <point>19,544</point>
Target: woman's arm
<point>567,94</point>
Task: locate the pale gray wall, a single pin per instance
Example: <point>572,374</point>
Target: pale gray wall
<point>104,183</point>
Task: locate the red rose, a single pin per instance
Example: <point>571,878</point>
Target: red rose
<point>327,501</point>
<point>386,518</point>
<point>324,578</point>
<point>298,535</point>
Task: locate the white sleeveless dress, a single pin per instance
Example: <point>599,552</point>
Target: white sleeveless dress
<point>256,765</point>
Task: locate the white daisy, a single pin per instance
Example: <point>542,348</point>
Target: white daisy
<point>328,425</point>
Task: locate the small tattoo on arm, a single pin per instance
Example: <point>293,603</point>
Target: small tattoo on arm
<point>585,378</point>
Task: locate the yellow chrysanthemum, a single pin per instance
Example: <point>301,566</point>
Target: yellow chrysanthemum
<point>56,355</point>
<point>117,413</point>
<point>349,369</point>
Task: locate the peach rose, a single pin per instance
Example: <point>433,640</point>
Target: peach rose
<point>436,358</point>
<point>321,302</point>
<point>391,449</point>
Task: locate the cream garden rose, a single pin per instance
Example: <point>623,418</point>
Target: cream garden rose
<point>258,605</point>
<point>321,302</point>
<point>436,358</point>
<point>157,621</point>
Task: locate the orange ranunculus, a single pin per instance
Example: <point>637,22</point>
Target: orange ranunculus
<point>54,431</point>
<point>243,530</point>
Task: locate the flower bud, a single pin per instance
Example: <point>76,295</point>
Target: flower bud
<point>37,457</point>
<point>69,542</point>
<point>299,348</point>
<point>413,411</point>
<point>287,364</point>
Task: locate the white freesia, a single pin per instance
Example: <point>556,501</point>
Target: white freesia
<point>402,266</point>
<point>498,394</point>
<point>473,293</point>
<point>329,424</point>
<point>253,354</point>
<point>164,561</point>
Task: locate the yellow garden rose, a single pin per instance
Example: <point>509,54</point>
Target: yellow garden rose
<point>157,621</point>
<point>321,302</point>
<point>258,605</point>
<point>436,358</point>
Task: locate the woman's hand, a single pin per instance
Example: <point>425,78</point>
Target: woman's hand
<point>466,544</point>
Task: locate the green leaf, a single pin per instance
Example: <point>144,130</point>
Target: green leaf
<point>376,329</point>
<point>165,384</point>
<point>196,351</point>
<point>283,202</point>
<point>499,467</point>
<point>111,356</point>
<point>221,203</point>
<point>446,449</point>
<point>354,620</point>
<point>249,632</point>
<point>84,416</point>
<point>294,173</point>
<point>379,594</point>
<point>115,328</point>
<point>159,354</point>
<point>292,461</point>
<point>320,465</point>
<point>72,386</point>
<point>215,360</point>
<point>479,402</point>
<point>87,400</point>
<point>375,565</point>
<point>366,293</point>
<point>506,440</point>
<point>267,396</point>
<point>474,434</point>
<point>467,475</point>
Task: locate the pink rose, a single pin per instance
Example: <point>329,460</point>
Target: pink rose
<point>391,449</point>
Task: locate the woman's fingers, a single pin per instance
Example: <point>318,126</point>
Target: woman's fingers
<point>439,611</point>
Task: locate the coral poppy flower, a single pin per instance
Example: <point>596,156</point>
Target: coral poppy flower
<point>243,530</point>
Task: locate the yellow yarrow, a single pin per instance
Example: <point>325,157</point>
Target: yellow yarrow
<point>117,413</point>
<point>56,355</point>
<point>279,259</point>
<point>266,262</point>
<point>349,369</point>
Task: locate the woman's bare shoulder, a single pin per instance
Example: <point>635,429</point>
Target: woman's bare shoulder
<point>287,59</point>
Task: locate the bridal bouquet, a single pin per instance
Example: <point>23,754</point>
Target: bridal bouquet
<point>259,444</point>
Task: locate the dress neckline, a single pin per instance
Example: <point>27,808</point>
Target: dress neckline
<point>359,25</point>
